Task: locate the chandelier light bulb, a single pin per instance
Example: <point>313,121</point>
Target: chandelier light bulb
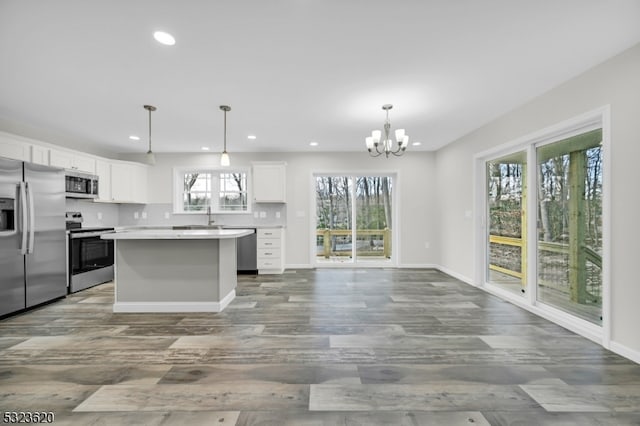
<point>369,141</point>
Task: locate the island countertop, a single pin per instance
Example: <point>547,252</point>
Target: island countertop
<point>177,234</point>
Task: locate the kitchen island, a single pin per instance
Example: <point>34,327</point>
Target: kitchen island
<point>169,270</point>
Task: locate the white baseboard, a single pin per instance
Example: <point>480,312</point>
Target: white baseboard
<point>173,307</point>
<point>624,351</point>
<point>226,300</point>
<point>418,266</point>
<point>298,266</point>
<point>455,275</point>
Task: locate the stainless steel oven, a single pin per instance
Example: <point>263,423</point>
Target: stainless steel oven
<point>90,258</point>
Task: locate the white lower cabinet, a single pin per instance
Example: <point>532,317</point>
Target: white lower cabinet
<point>270,250</point>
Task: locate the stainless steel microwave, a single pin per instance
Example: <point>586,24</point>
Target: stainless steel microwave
<point>80,185</point>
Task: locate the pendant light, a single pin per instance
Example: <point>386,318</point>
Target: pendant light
<point>151,158</point>
<point>224,158</point>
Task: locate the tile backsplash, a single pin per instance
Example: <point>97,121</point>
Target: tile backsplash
<point>162,214</point>
<point>105,214</point>
<point>94,214</point>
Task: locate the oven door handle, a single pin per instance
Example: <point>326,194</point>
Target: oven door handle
<point>89,234</point>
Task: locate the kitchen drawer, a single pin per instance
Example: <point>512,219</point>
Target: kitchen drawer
<point>268,253</point>
<point>267,264</point>
<point>267,243</point>
<point>269,233</point>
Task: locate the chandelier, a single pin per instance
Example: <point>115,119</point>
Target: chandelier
<point>386,146</point>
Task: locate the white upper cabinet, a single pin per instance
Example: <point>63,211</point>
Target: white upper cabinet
<point>128,182</point>
<point>72,160</point>
<point>118,181</point>
<point>140,180</point>
<point>13,148</point>
<point>269,182</point>
<point>103,170</point>
<point>39,155</point>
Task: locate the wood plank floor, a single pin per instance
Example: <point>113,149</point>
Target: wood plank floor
<point>314,347</point>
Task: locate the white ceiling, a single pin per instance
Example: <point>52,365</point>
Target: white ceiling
<point>293,71</point>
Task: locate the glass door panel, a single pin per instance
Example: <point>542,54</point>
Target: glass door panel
<point>334,217</point>
<point>506,218</point>
<point>570,225</point>
<point>373,218</point>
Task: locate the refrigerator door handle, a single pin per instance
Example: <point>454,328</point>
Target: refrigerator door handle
<point>23,211</point>
<point>32,219</point>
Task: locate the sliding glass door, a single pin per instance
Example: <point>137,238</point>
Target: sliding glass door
<point>506,217</point>
<point>353,219</point>
<point>570,225</point>
<point>566,237</point>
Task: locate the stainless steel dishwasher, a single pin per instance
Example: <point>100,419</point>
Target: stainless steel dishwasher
<point>248,253</point>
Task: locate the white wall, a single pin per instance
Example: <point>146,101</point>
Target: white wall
<point>615,82</point>
<point>415,192</point>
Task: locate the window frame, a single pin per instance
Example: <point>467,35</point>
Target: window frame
<point>215,187</point>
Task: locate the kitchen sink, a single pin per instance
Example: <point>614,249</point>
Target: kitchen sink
<point>195,227</point>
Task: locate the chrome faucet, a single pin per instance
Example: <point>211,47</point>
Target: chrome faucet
<point>210,222</point>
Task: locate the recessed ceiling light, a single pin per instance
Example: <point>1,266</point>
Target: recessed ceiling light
<point>313,143</point>
<point>252,137</point>
<point>205,148</point>
<point>134,138</point>
<point>164,38</point>
<point>416,143</point>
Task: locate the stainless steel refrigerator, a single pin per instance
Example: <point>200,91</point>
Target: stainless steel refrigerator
<point>32,235</point>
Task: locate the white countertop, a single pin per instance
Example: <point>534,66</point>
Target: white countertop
<point>173,234</point>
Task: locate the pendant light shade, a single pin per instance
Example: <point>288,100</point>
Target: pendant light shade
<point>224,158</point>
<point>150,157</point>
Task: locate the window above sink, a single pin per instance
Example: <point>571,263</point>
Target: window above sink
<point>224,190</point>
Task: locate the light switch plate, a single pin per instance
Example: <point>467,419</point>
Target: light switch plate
<point>263,215</point>
<point>99,215</point>
<point>136,215</point>
<point>166,215</point>
<point>144,215</point>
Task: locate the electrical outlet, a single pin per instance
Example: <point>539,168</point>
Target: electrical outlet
<point>255,215</point>
<point>99,215</point>
<point>144,215</point>
<point>167,215</point>
<point>277,215</point>
<point>263,215</point>
<point>136,215</point>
